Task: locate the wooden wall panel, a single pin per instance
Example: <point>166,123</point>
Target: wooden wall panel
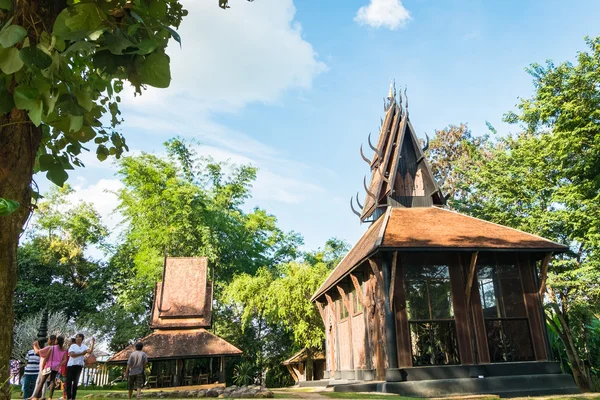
<point>532,305</point>
<point>358,338</point>
<point>345,353</point>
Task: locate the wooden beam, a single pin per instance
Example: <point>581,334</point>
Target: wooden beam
<point>544,272</point>
<point>471,276</point>
<point>293,373</point>
<point>377,272</point>
<point>322,312</point>
<point>393,279</point>
<point>358,290</point>
<point>330,302</point>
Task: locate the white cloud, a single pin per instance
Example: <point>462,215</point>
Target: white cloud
<point>103,198</point>
<point>252,52</point>
<point>389,14</point>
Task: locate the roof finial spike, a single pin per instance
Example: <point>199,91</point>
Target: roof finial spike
<point>392,90</point>
<point>406,97</point>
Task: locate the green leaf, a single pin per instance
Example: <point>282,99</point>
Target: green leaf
<point>102,153</point>
<point>34,56</point>
<point>10,62</point>
<point>78,22</point>
<point>137,17</point>
<point>49,101</point>
<point>146,46</point>
<point>158,9</point>
<point>154,70</point>
<point>84,98</point>
<point>46,161</point>
<point>7,102</point>
<point>76,122</point>
<point>81,46</point>
<point>35,113</point>
<point>174,34</point>
<point>117,43</point>
<point>57,175</point>
<point>11,35</point>
<point>25,97</point>
<point>7,206</point>
<point>6,4</point>
<point>86,134</point>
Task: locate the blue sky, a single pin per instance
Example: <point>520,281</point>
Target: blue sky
<point>294,88</point>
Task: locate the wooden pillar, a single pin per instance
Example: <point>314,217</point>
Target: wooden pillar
<point>390,320</point>
<point>461,314</point>
<point>532,301</point>
<point>222,378</point>
<point>349,307</point>
<point>402,328</point>
<point>379,326</point>
<point>333,332</point>
<point>477,321</point>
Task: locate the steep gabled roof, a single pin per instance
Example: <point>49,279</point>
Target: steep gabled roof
<point>434,228</point>
<point>183,299</point>
<point>398,162</point>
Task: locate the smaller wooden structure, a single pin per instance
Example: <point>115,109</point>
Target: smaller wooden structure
<point>181,349</point>
<point>296,366</point>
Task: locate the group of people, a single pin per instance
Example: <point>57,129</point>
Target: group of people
<point>57,363</point>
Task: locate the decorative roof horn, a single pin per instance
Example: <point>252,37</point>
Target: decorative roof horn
<point>352,207</point>
<point>426,144</point>
<point>367,189</point>
<point>373,147</point>
<point>363,156</point>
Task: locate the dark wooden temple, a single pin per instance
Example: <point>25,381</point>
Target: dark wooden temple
<point>181,349</point>
<point>429,301</point>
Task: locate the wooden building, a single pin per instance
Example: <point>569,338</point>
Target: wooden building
<point>296,366</point>
<point>428,293</point>
<point>181,349</point>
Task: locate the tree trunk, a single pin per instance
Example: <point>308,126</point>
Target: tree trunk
<point>564,332</point>
<point>309,364</point>
<point>19,142</point>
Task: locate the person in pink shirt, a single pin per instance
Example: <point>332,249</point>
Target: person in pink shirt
<point>54,358</point>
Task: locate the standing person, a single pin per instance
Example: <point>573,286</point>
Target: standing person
<point>55,357</point>
<point>135,370</point>
<point>63,371</point>
<point>77,351</point>
<point>43,353</point>
<point>32,369</point>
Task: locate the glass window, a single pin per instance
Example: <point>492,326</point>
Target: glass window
<point>430,315</point>
<point>428,292</point>
<point>500,291</point>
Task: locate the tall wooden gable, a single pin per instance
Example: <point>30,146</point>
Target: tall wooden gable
<point>400,174</point>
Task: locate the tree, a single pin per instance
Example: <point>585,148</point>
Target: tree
<point>54,272</point>
<point>63,64</point>
<point>186,206</point>
<point>281,297</point>
<point>546,180</point>
<point>58,324</point>
<point>455,155</point>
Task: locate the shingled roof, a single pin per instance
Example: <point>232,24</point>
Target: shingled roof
<point>183,299</point>
<point>422,228</point>
<point>182,343</point>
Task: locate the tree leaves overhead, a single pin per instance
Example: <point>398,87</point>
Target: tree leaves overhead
<point>154,70</point>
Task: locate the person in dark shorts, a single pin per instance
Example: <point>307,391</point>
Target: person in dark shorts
<point>135,370</point>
